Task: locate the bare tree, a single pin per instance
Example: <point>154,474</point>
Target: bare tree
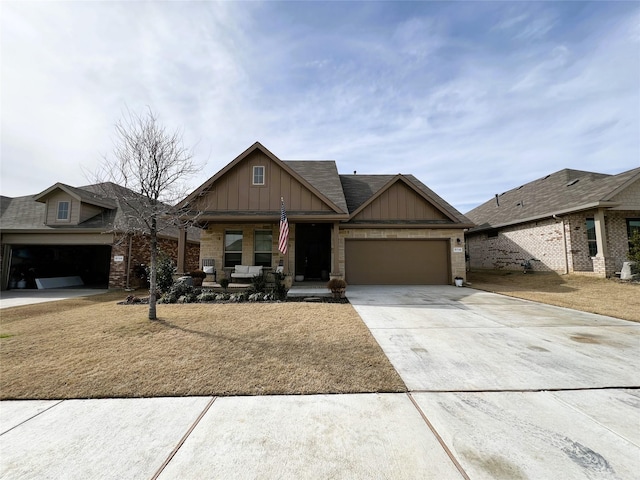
<point>152,164</point>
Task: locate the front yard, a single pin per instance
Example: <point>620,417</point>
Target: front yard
<point>588,294</point>
<point>92,348</point>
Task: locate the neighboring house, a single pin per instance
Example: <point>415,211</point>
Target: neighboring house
<point>569,222</point>
<point>67,231</point>
<point>369,229</point>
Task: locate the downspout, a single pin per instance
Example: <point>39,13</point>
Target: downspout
<point>129,262</point>
<point>564,245</point>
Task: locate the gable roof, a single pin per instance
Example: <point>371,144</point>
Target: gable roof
<point>361,190</point>
<point>561,192</point>
<point>27,213</point>
<point>346,195</point>
<point>82,195</point>
<point>323,175</point>
<point>325,171</point>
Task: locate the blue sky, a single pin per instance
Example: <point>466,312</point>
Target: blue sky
<point>473,98</point>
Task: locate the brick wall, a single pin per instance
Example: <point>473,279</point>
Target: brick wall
<point>140,255</point>
<point>544,241</point>
<point>541,240</point>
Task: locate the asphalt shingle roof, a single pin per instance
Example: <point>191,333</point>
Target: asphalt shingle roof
<point>558,192</point>
<point>323,176</point>
<point>358,189</point>
<point>25,213</point>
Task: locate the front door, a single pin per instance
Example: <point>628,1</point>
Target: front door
<point>313,250</point>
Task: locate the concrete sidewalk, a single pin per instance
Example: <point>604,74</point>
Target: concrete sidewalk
<point>473,361</point>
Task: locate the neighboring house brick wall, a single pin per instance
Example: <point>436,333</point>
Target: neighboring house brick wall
<point>542,240</point>
<point>457,259</point>
<point>140,255</point>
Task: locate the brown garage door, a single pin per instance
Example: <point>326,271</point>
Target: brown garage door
<point>397,262</point>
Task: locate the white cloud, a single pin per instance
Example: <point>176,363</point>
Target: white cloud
<point>473,100</point>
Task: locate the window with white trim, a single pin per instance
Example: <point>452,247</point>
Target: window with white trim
<point>258,175</point>
<point>63,211</point>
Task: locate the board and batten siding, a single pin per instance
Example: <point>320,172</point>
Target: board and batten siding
<point>234,191</point>
<point>399,202</point>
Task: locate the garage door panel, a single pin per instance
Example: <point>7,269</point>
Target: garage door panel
<point>397,262</point>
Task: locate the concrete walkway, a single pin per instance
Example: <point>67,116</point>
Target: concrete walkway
<point>499,388</point>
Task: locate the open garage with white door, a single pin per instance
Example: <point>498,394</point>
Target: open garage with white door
<point>397,262</point>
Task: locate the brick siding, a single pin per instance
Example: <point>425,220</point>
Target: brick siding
<point>544,241</point>
<point>140,255</point>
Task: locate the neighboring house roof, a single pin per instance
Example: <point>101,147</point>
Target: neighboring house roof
<point>27,213</point>
<point>559,193</point>
<point>82,194</point>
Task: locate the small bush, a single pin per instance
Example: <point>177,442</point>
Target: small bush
<point>224,283</point>
<point>279,290</point>
<point>258,284</point>
<point>207,297</point>
<point>198,274</point>
<point>165,268</point>
<point>336,284</point>
<point>180,292</point>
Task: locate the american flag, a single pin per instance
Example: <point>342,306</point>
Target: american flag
<point>284,229</point>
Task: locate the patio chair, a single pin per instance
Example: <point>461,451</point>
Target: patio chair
<point>209,267</point>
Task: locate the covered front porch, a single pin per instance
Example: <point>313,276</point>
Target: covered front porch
<point>310,256</point>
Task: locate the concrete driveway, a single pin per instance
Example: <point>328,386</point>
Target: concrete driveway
<point>514,389</point>
<point>16,298</point>
<point>499,388</point>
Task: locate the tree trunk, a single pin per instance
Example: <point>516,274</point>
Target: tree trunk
<point>153,271</point>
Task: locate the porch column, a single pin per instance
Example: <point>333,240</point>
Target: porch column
<point>601,233</point>
<point>335,240</point>
<point>602,264</point>
<point>182,249</point>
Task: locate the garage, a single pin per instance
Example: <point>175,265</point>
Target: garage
<point>397,262</point>
<point>89,262</point>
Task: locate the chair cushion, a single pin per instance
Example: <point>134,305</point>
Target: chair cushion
<point>208,270</point>
<point>242,269</point>
<point>255,270</point>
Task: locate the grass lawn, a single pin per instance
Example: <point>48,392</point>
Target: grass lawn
<point>588,294</point>
<point>93,348</point>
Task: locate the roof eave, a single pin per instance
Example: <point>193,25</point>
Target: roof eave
<point>580,208</point>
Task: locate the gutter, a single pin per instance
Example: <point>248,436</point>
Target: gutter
<point>580,208</point>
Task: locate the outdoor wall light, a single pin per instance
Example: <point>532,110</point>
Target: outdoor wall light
<point>458,240</point>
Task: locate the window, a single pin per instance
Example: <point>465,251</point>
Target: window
<point>258,175</point>
<point>263,248</point>
<point>63,211</point>
<point>633,227</point>
<point>591,237</point>
<point>232,248</point>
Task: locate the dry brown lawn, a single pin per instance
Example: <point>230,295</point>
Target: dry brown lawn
<point>93,348</point>
<point>588,294</point>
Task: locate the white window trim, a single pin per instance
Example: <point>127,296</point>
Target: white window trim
<point>68,217</point>
<point>253,177</point>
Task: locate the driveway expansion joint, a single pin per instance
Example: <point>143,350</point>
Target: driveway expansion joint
<point>183,439</point>
<point>442,443</point>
